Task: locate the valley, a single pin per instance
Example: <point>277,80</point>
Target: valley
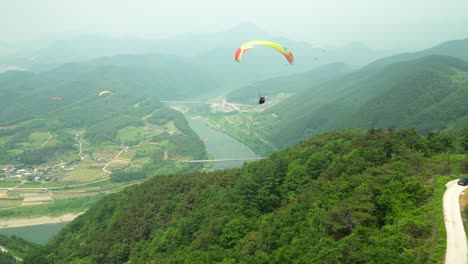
<point>232,146</point>
<point>71,180</point>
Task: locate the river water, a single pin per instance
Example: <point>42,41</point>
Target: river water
<point>218,144</point>
<point>39,234</point>
<point>221,146</point>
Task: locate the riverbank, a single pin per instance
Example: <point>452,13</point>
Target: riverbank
<point>221,146</point>
<point>20,222</point>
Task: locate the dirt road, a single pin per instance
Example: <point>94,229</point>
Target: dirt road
<point>456,238</point>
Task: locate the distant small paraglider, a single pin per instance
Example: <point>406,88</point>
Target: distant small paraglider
<point>318,47</point>
<point>56,98</point>
<point>106,94</point>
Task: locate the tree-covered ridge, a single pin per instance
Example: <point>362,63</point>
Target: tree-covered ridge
<point>7,258</point>
<point>185,144</point>
<point>137,84</point>
<point>427,93</point>
<point>341,197</point>
<point>453,48</point>
<point>288,84</point>
<point>431,98</point>
<point>85,140</point>
<point>16,247</point>
<point>101,123</point>
<point>152,77</point>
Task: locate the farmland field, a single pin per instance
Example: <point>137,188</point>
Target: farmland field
<point>84,173</point>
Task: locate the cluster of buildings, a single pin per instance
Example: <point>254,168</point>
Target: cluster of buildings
<point>222,108</point>
<point>32,174</point>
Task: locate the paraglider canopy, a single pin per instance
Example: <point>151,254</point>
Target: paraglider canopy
<point>56,98</point>
<point>104,93</point>
<point>248,45</point>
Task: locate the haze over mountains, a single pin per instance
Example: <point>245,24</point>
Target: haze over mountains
<point>212,50</point>
<point>342,196</point>
<point>454,48</point>
<point>153,68</point>
<point>427,93</point>
<point>418,89</point>
<point>138,76</point>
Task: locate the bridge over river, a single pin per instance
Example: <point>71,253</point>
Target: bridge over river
<point>220,160</point>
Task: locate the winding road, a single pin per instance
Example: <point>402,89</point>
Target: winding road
<point>47,141</point>
<point>81,151</point>
<point>3,249</point>
<point>456,238</point>
<point>116,156</point>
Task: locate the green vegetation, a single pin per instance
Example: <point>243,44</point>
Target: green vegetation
<point>7,258</point>
<point>440,237</point>
<point>453,48</point>
<point>341,197</point>
<point>31,185</point>
<point>239,128</point>
<point>127,76</point>
<point>40,138</point>
<point>289,84</point>
<point>107,129</point>
<point>16,246</point>
<point>126,176</point>
<point>132,135</point>
<point>429,93</point>
<point>8,184</point>
<point>56,208</point>
<point>17,140</point>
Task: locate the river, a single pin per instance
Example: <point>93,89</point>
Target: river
<point>221,146</point>
<point>39,234</point>
<point>217,143</point>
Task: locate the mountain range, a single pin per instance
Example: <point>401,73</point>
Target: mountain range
<point>423,90</point>
<point>214,51</point>
<point>334,193</point>
<point>139,76</point>
<point>452,48</point>
<point>428,93</point>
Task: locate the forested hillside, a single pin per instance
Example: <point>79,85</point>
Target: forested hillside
<point>16,247</point>
<point>453,48</point>
<point>290,84</point>
<point>44,114</point>
<point>427,93</point>
<point>341,197</point>
<point>154,77</point>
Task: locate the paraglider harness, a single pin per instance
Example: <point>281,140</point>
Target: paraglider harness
<point>261,100</point>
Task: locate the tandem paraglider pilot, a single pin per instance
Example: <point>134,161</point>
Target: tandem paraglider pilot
<point>261,100</point>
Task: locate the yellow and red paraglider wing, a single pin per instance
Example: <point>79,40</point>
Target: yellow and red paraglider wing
<point>246,46</point>
<point>241,51</point>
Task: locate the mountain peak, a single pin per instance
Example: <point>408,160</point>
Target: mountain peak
<point>358,46</point>
<point>452,48</point>
<point>247,28</point>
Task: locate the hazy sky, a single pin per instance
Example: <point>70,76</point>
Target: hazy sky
<point>381,24</point>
